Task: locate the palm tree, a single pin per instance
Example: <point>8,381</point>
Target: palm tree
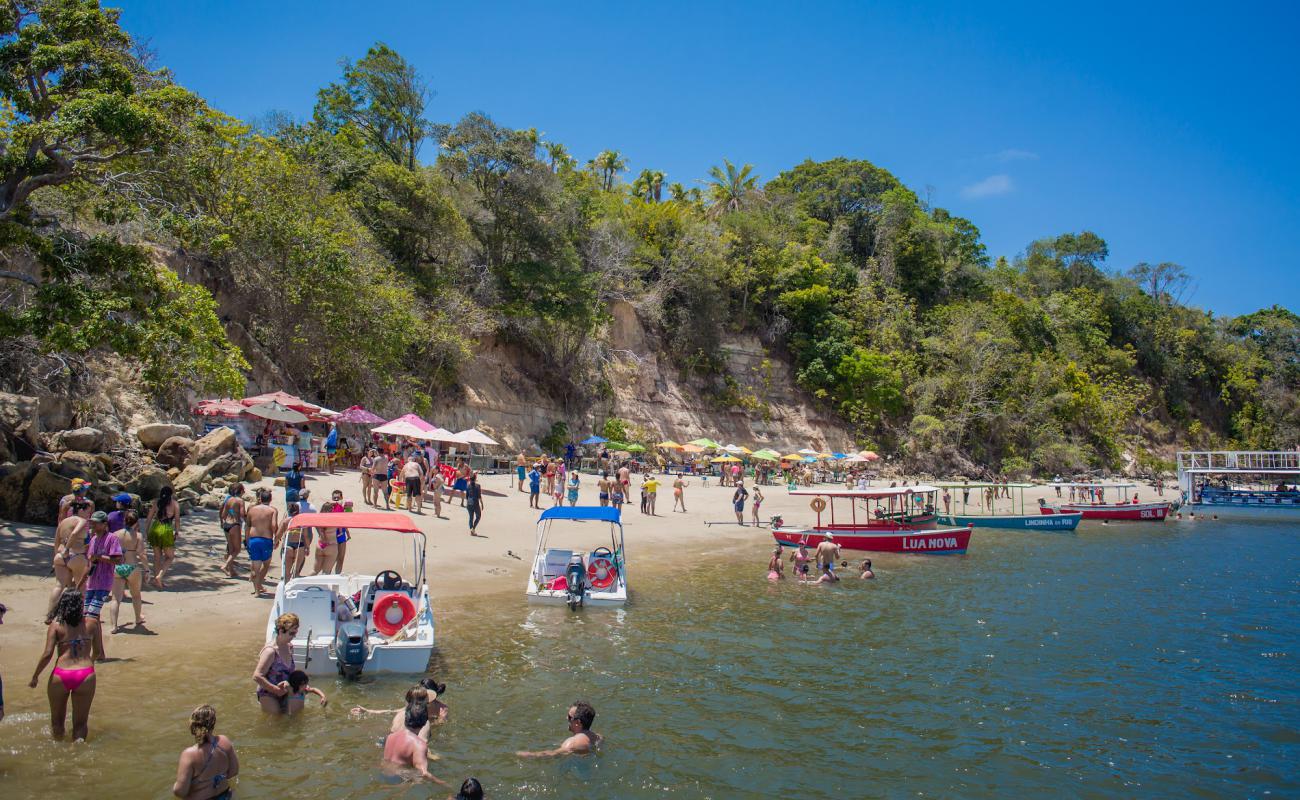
<point>609,163</point>
<point>649,185</point>
<point>677,192</point>
<point>558,154</point>
<point>730,190</point>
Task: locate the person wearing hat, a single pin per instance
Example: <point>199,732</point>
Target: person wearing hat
<point>80,487</point>
<point>828,552</point>
<point>105,553</point>
<point>117,517</point>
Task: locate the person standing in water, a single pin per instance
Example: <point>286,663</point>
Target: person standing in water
<point>274,665</point>
<point>775,566</point>
<point>129,575</point>
<point>406,749</point>
<point>162,529</point>
<point>867,574</point>
<point>207,767</point>
<point>73,677</point>
<point>582,739</point>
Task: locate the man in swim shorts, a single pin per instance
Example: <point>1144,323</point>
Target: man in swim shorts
<point>260,525</point>
<point>738,498</point>
<point>521,470</point>
<point>105,553</point>
<point>828,552</point>
<point>379,477</point>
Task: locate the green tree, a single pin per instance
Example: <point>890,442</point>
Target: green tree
<point>729,188</point>
<point>384,98</point>
<point>608,164</point>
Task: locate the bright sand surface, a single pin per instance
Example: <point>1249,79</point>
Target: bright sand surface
<point>202,610</point>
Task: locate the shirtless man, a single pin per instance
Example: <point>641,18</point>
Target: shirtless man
<point>867,574</point>
<point>625,478</point>
<point>582,739</point>
<point>406,749</point>
<point>413,477</point>
<point>261,529</point>
<point>521,470</point>
<point>828,553</point>
<point>70,539</point>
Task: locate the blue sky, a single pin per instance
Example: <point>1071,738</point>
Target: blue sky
<point>1168,129</point>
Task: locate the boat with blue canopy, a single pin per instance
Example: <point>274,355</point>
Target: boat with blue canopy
<point>586,572</point>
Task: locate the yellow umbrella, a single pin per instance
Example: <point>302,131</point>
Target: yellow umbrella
<point>824,456</point>
<point>669,445</point>
<point>792,457</point>
<point>746,451</point>
<point>727,459</point>
<point>692,448</point>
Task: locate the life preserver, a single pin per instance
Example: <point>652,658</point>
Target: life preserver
<point>595,570</point>
<point>818,505</point>
<point>386,604</point>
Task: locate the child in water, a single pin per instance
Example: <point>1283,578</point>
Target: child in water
<point>296,700</point>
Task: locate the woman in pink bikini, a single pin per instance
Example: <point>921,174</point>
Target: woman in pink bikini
<point>74,671</point>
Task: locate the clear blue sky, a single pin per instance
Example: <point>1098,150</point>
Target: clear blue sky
<point>1169,129</point>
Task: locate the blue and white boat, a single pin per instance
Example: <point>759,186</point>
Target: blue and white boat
<point>1240,483</point>
<point>961,508</point>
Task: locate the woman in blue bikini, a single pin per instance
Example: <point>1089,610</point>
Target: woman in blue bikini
<point>206,767</point>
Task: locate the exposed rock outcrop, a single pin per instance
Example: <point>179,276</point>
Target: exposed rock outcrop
<point>217,442</point>
<point>174,452</point>
<point>154,434</point>
<point>85,440</point>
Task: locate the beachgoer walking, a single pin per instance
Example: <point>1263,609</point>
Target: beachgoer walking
<point>462,480</point>
<point>616,497</point>
<point>828,552</point>
<point>645,497</point>
<point>679,493</point>
<point>129,575</point>
<point>406,748</point>
<point>331,446</point>
<point>104,553</point>
<point>70,540</point>
<point>366,465</point>
<point>582,739</point>
<point>73,677</point>
<point>413,479</point>
<point>557,493</point>
<point>738,498</point>
<point>602,488</point>
<point>274,664</point>
<point>80,487</point>
<point>758,502</point>
<point>473,503</point>
<point>232,524</point>
<point>379,477</point>
<point>573,485</point>
<point>261,528</point>
<point>293,484</point>
<point>163,529</point>
<point>207,767</point>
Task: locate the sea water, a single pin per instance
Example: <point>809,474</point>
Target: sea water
<point>1143,660</point>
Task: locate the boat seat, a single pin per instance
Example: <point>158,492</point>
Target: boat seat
<point>557,561</point>
<point>315,607</point>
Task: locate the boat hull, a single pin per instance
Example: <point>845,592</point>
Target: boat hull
<point>1065,521</point>
<point>552,597</point>
<point>952,541</point>
<point>1131,512</point>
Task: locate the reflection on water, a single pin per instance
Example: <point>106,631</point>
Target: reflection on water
<point>1124,660</point>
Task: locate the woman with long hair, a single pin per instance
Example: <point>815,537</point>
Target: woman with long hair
<point>163,528</point>
<point>206,767</point>
<point>71,538</point>
<point>426,692</point>
<point>73,676</point>
<point>130,573</point>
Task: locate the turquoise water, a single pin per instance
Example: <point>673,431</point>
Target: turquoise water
<point>1138,661</point>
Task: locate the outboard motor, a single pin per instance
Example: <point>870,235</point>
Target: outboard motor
<point>575,575</point>
<point>350,648</point>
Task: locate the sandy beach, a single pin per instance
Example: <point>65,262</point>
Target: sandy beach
<point>202,607</point>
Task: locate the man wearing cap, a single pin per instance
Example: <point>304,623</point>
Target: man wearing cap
<point>828,552</point>
<point>79,488</point>
<point>105,553</point>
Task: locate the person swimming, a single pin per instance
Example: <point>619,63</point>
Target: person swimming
<point>298,687</point>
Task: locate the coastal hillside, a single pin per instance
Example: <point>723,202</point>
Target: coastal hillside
<point>485,275</point>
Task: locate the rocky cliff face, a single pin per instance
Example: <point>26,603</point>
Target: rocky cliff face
<point>755,403</point>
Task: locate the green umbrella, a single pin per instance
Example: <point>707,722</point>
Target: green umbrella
<point>635,448</point>
<point>616,445</point>
<point>766,455</point>
<point>706,443</point>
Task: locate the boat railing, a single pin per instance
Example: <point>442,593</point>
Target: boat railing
<point>1238,460</point>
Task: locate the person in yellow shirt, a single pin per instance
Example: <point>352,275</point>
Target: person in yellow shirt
<point>651,488</point>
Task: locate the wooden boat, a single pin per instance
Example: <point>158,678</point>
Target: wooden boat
<point>959,510</point>
<point>1121,509</point>
<point>881,527</point>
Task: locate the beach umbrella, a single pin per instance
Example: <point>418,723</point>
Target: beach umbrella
<point>792,457</point>
<point>616,446</point>
<point>808,451</point>
<point>726,460</point>
<point>475,436</point>
<point>692,448</point>
<point>594,440</point>
<point>809,460</point>
<point>766,455</point>
<point>444,435</point>
<point>824,456</point>
<point>839,456</point>
<point>283,398</point>
<point>706,443</point>
<point>218,408</point>
<point>275,412</point>
<point>636,448</point>
<point>867,455</point>
<point>857,459</point>
<point>669,445</point>
<point>358,416</point>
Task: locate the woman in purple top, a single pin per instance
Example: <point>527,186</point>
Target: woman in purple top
<point>104,553</point>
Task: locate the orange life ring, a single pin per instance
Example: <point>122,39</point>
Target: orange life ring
<point>386,604</point>
<point>818,505</point>
<point>593,573</point>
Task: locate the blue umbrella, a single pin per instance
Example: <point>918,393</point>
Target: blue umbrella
<point>593,440</point>
<point>839,455</point>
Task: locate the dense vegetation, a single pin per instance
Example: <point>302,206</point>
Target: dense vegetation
<point>367,249</point>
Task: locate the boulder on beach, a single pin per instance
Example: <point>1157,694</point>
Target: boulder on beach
<point>174,452</point>
<point>190,478</point>
<point>43,494</point>
<point>87,465</point>
<point>14,480</point>
<point>148,483</point>
<point>154,434</point>
<point>20,415</point>
<point>216,443</point>
<point>84,440</point>
<point>237,463</point>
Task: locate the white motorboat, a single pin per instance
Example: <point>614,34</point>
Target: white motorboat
<point>353,623</point>
<point>579,577</point>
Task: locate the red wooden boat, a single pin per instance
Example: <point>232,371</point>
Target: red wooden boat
<point>1096,507</point>
<point>893,520</point>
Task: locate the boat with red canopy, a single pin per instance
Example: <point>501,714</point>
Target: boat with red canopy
<point>352,623</point>
<point>1090,500</point>
<point>895,519</point>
